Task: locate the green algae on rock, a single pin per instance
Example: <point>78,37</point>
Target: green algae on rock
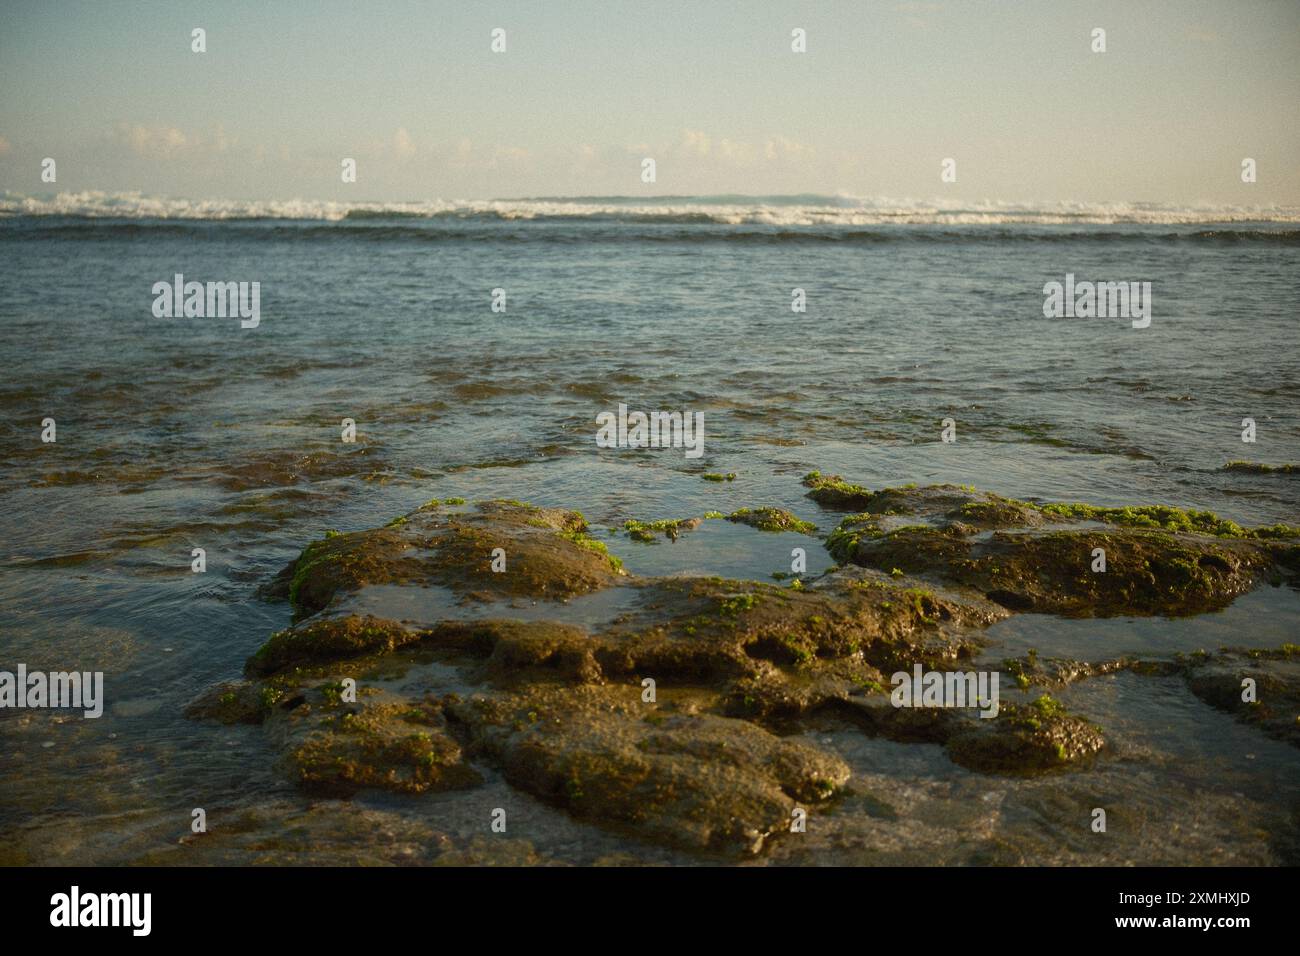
<point>548,553</point>
<point>328,639</point>
<point>561,711</point>
<point>771,519</point>
<point>670,528</point>
<point>831,491</point>
<point>1159,560</point>
<point>1026,738</point>
<point>395,746</point>
<point>686,779</point>
<point>233,702</point>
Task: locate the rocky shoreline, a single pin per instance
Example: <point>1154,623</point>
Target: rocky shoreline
<point>672,713</point>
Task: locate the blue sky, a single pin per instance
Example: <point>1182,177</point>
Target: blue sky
<point>710,89</point>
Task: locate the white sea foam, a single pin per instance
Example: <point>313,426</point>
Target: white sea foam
<point>738,210</point>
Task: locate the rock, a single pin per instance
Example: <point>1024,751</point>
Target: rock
<point>1158,560</point>
<point>328,639</point>
<point>232,702</point>
<point>547,552</point>
<point>1025,739</point>
<point>1218,680</point>
<point>692,780</point>
<point>558,708</point>
<point>771,519</point>
<point>336,749</point>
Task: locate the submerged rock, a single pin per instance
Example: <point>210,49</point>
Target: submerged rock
<point>1260,687</point>
<point>232,702</point>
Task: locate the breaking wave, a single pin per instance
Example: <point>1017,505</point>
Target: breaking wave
<point>802,212</point>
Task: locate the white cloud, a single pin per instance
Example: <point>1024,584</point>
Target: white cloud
<point>403,148</point>
<point>153,142</point>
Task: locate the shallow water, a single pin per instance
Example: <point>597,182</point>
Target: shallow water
<point>183,433</point>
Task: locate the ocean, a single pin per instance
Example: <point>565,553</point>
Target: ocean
<point>177,433</point>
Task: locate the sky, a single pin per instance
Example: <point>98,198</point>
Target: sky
<point>710,89</point>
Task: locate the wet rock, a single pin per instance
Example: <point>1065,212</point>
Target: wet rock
<point>648,531</point>
<point>232,702</point>
<point>712,630</point>
<point>280,469</point>
<point>771,519</point>
<point>558,709</point>
<point>1219,680</point>
<point>1158,560</point>
<point>1058,672</point>
<point>336,749</point>
<point>328,639</point>
<point>548,554</point>
<point>1025,739</point>
<point>686,779</point>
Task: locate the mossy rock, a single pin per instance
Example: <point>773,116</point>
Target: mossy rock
<point>648,531</point>
<point>232,702</point>
<point>1029,557</point>
<point>771,519</point>
<point>690,780</point>
<point>1026,739</point>
<point>401,747</point>
<point>548,555</point>
<point>328,639</point>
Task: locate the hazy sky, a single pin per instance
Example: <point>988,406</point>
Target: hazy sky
<point>710,89</point>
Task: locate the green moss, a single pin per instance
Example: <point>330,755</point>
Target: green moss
<point>670,527</point>
<point>714,476</point>
<point>271,696</point>
<point>1162,517</point>
<point>588,543</point>
<point>732,606</point>
<point>310,557</point>
<point>771,519</point>
<point>834,492</point>
<point>1044,708</point>
<point>924,604</point>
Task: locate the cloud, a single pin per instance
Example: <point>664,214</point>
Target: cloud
<point>4,146</point>
<point>781,148</point>
<point>403,148</point>
<point>695,141</point>
<point>153,142</point>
